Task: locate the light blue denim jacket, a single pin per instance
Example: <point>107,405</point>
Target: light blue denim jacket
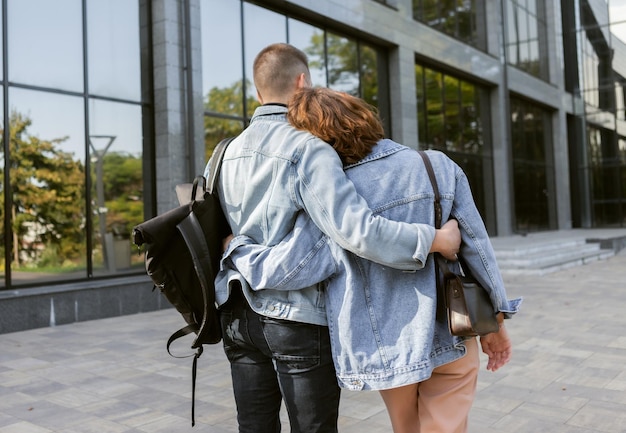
<point>382,321</point>
<point>272,172</point>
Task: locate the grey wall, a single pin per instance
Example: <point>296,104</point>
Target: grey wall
<point>58,305</point>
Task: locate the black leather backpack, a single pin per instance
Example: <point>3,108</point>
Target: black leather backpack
<point>183,248</point>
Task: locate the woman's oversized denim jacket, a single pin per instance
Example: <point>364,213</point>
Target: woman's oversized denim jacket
<point>382,321</point>
<point>272,172</point>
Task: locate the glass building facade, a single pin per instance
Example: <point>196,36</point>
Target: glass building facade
<point>336,60</point>
<point>462,19</point>
<point>75,101</point>
<point>533,167</point>
<point>526,36</point>
<point>452,114</point>
<point>107,105</point>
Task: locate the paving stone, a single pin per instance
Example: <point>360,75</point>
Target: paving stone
<point>567,375</point>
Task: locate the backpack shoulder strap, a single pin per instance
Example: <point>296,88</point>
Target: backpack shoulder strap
<point>195,240</point>
<point>216,162</point>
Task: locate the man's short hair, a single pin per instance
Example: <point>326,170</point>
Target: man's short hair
<point>277,66</point>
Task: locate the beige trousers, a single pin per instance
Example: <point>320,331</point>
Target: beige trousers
<point>440,404</point>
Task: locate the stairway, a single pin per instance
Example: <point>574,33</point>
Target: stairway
<point>546,252</point>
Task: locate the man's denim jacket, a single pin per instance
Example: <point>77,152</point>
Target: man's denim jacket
<point>272,172</point>
<point>383,324</point>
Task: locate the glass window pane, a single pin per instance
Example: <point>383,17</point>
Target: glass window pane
<point>466,20</point>
<point>2,233</point>
<point>261,28</point>
<point>47,157</point>
<point>222,68</point>
<point>620,93</point>
<point>531,204</point>
<point>115,149</point>
<point>450,114</point>
<point>456,18</point>
<point>526,49</point>
<point>1,37</point>
<point>342,60</point>
<point>530,126</point>
<point>216,129</point>
<point>471,140</point>
<point>431,14</point>
<point>434,104</point>
<point>511,24</point>
<point>522,26</point>
<point>310,39</point>
<point>449,17</point>
<point>369,74</point>
<point>46,43</point>
<point>452,106</point>
<point>533,26</point>
<point>113,43</point>
<point>421,104</point>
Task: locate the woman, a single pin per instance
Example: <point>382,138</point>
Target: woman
<point>385,333</point>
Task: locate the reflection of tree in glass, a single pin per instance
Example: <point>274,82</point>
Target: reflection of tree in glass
<point>224,108</point>
<point>48,197</point>
<point>451,116</point>
<point>123,192</point>
<point>351,67</point>
<point>340,59</point>
<point>369,75</point>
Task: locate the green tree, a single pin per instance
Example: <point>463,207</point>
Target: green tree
<point>351,66</point>
<point>226,103</point>
<point>123,191</point>
<point>47,196</point>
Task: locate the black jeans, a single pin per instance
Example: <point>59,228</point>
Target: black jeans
<point>273,360</point>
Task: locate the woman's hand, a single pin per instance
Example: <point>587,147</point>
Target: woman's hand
<point>226,241</point>
<point>447,240</point>
<point>497,346</point>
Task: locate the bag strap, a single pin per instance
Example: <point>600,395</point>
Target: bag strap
<point>191,231</point>
<point>433,181</point>
<point>195,239</point>
<point>438,212</point>
<point>440,262</point>
<point>216,162</point>
<point>194,365</point>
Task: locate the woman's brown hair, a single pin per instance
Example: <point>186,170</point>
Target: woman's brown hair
<point>346,122</point>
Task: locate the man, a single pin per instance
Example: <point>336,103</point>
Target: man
<point>277,341</point>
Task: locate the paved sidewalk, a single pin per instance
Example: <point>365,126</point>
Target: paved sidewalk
<point>568,372</point>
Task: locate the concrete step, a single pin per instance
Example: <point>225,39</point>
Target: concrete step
<point>540,264</point>
<point>546,252</point>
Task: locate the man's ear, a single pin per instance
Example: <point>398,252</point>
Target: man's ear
<point>303,81</point>
<point>259,97</point>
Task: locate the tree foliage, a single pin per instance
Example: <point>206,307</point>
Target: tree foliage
<point>47,193</point>
<point>350,66</point>
<point>48,206</point>
<point>225,101</point>
<point>123,191</point>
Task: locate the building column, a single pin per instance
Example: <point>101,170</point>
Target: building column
<point>560,204</point>
<point>500,126</point>
<point>179,143</point>
<point>402,96</point>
